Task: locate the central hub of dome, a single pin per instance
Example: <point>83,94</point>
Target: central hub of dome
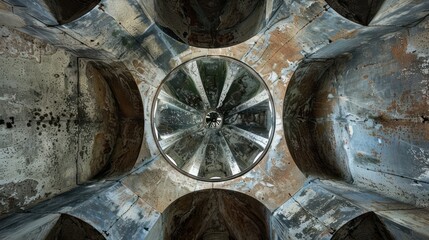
<point>214,120</point>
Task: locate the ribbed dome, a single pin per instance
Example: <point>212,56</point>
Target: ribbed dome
<point>213,118</point>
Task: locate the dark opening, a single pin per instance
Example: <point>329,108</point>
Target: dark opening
<point>71,228</point>
<point>366,226</point>
<point>358,11</point>
<point>125,119</point>
<point>216,214</point>
<point>66,11</point>
<point>307,129</point>
<point>210,23</point>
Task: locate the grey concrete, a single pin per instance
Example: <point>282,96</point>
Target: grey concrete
<point>38,150</point>
<point>364,87</point>
<point>319,210</point>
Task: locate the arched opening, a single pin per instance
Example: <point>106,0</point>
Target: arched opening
<point>111,119</point>
<point>71,228</point>
<point>350,118</point>
<point>304,116</point>
<point>366,226</point>
<point>68,11</point>
<point>216,214</point>
<point>361,12</point>
<point>210,24</point>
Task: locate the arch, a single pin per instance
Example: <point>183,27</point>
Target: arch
<point>119,107</point>
<point>358,11</point>
<point>305,122</point>
<point>70,228</point>
<point>210,24</point>
<point>365,226</point>
<point>216,214</point>
<point>344,118</point>
<point>68,11</point>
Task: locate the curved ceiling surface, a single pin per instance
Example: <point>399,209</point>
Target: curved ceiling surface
<point>210,24</point>
<point>213,118</point>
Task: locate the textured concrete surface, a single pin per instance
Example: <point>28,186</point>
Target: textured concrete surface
<point>111,120</point>
<point>320,211</point>
<point>370,115</point>
<point>110,208</point>
<point>61,124</point>
<point>38,120</point>
<point>215,213</point>
<point>371,111</point>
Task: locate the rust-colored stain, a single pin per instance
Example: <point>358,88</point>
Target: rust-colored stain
<point>405,129</point>
<point>409,105</point>
<point>344,34</point>
<point>393,106</point>
<point>273,58</point>
<point>5,7</point>
<point>399,52</point>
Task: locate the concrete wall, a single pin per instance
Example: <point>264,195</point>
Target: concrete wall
<point>326,209</point>
<point>109,207</point>
<point>362,116</point>
<point>38,116</point>
<point>61,124</point>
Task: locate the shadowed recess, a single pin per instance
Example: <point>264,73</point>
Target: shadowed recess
<point>124,119</point>
<point>71,228</point>
<point>68,11</point>
<point>210,23</point>
<point>304,134</point>
<point>358,11</point>
<point>366,226</point>
<point>216,214</point>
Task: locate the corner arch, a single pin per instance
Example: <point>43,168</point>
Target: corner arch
<point>69,228</point>
<point>111,110</point>
<point>68,11</point>
<point>305,123</point>
<point>365,226</point>
<point>216,214</point>
<point>358,11</point>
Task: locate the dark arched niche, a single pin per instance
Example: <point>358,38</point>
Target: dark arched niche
<point>216,214</point>
<point>70,10</point>
<point>72,228</point>
<point>308,133</point>
<point>119,105</point>
<point>210,23</point>
<point>358,11</point>
<point>366,226</point>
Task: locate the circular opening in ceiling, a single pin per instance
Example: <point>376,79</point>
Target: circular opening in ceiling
<point>213,118</point>
<point>210,23</point>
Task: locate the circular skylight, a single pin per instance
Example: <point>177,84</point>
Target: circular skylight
<point>213,118</point>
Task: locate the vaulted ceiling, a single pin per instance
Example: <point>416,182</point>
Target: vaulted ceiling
<point>99,137</point>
